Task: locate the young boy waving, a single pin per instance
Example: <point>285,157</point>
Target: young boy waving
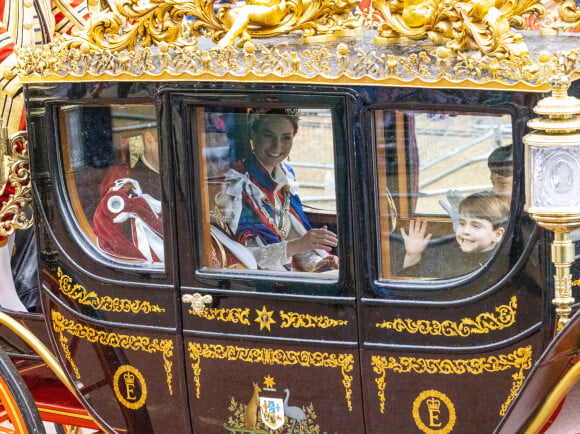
<point>482,221</point>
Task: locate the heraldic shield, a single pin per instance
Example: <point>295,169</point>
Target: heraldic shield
<point>272,412</point>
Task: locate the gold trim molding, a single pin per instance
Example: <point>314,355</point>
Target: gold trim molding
<point>15,185</point>
<point>78,293</point>
<point>520,359</point>
<point>268,356</point>
<point>504,316</point>
<point>61,325</point>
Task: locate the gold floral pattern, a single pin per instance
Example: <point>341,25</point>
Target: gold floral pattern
<point>79,294</point>
<point>61,325</point>
<point>504,316</point>
<point>520,359</point>
<point>268,356</point>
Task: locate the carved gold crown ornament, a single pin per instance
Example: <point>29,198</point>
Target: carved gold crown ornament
<point>15,189</point>
<point>403,42</point>
<point>553,182</point>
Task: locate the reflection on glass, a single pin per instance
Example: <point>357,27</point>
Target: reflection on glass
<point>267,212</point>
<point>451,177</point>
<point>112,163</point>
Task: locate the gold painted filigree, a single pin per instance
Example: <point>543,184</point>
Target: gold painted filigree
<point>520,359</point>
<point>61,325</point>
<point>79,294</point>
<point>504,316</point>
<point>268,356</point>
<point>300,320</point>
<point>234,315</point>
<point>461,25</point>
<point>15,192</point>
<point>64,344</point>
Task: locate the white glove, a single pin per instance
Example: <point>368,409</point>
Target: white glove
<point>454,197</point>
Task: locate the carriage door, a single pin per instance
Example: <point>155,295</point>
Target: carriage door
<point>450,314</point>
<point>270,342</point>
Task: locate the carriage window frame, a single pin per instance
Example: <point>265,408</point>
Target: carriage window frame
<point>384,219</point>
<point>190,109</point>
<point>68,188</point>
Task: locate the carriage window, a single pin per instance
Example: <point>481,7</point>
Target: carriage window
<point>111,159</point>
<point>445,186</point>
<point>269,197</point>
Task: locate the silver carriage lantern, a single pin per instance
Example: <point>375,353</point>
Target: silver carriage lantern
<point>553,182</point>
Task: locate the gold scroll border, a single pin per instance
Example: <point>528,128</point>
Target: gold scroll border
<point>520,359</point>
<point>482,324</point>
<point>290,319</point>
<point>267,356</point>
<point>78,293</point>
<point>136,343</point>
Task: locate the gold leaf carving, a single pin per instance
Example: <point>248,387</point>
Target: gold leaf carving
<point>15,193</point>
<point>235,315</point>
<point>78,293</point>
<point>504,316</point>
<point>267,356</point>
<point>298,320</point>
<point>128,342</point>
<point>460,25</point>
<point>520,359</point>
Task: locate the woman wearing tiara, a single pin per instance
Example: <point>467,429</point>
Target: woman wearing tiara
<point>258,201</point>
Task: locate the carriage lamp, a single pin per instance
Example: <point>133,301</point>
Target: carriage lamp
<point>553,182</point>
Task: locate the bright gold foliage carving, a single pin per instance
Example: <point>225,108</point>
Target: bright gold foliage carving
<point>460,25</point>
<point>520,359</point>
<point>136,22</point>
<point>484,323</point>
<point>15,188</point>
<point>61,325</point>
<point>78,293</point>
<point>268,356</point>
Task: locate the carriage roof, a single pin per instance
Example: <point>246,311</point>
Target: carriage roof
<point>461,45</point>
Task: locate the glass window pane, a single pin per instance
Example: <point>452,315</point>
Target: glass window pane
<point>111,156</point>
<point>445,185</point>
<point>269,193</point>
